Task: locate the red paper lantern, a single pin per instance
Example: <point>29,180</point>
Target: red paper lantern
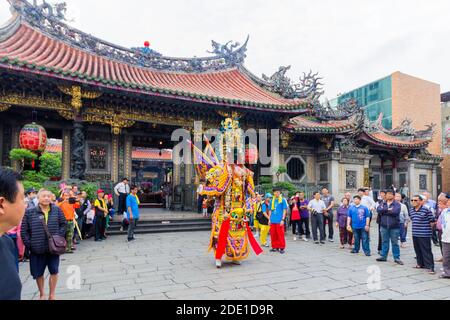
<point>33,137</point>
<point>251,154</point>
<point>146,44</point>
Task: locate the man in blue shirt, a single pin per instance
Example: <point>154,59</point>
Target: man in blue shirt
<point>132,211</point>
<point>389,211</point>
<point>358,222</point>
<point>278,210</point>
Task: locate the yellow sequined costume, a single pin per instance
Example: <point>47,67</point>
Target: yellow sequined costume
<point>230,185</point>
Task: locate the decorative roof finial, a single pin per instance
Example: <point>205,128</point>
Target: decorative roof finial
<point>309,86</point>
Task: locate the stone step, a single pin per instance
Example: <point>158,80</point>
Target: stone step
<point>161,229</point>
<point>162,221</point>
<point>166,225</point>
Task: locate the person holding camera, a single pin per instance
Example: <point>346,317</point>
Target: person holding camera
<point>317,207</point>
<point>68,204</point>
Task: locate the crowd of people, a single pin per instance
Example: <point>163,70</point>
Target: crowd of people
<point>393,212</point>
<point>38,226</point>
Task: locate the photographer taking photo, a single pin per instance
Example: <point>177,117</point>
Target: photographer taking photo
<point>68,204</point>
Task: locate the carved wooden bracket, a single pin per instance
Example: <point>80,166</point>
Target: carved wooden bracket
<point>77,95</point>
<point>4,107</point>
<point>286,138</point>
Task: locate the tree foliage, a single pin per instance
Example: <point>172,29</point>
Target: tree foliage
<point>51,164</point>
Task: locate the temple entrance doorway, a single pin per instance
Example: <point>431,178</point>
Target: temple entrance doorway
<point>152,171</point>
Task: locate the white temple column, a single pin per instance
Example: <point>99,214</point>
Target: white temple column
<point>334,173</point>
<point>413,184</point>
<point>434,183</point>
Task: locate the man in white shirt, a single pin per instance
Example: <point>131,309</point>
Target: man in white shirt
<point>200,197</point>
<point>316,207</point>
<point>122,190</point>
<point>444,226</point>
<point>367,201</point>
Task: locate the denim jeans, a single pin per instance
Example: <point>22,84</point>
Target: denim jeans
<point>403,232</point>
<point>131,228</point>
<point>361,235</point>
<point>392,236</point>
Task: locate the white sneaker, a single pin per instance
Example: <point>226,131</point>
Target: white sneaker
<point>304,239</point>
<point>256,235</point>
<point>266,245</point>
<point>219,263</point>
<point>295,238</point>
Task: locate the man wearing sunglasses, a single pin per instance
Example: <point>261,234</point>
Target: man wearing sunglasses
<point>423,221</point>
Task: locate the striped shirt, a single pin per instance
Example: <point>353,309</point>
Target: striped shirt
<point>421,220</point>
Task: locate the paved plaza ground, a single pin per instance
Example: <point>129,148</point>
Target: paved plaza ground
<point>178,266</point>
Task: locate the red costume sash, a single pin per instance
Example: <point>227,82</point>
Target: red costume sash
<point>222,240</point>
<point>223,236</point>
<point>255,245</point>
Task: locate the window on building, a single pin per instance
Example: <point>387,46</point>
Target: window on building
<point>295,169</point>
<point>388,181</point>
<point>374,86</point>
<point>97,158</point>
<point>350,179</point>
<point>376,183</point>
<point>402,179</point>
<point>422,181</point>
<point>323,172</point>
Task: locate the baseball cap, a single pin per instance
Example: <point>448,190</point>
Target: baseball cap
<point>268,196</point>
<point>31,190</point>
<point>100,191</point>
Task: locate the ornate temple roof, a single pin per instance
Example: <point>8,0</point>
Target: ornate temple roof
<point>350,121</point>
<point>312,125</point>
<point>38,41</point>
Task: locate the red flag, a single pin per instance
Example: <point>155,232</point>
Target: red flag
<point>255,245</point>
<point>222,240</point>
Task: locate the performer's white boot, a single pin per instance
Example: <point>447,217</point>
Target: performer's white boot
<point>218,263</point>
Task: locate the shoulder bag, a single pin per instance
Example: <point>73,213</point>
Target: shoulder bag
<point>56,243</point>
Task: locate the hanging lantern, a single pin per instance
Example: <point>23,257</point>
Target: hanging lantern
<point>33,137</point>
<point>251,154</point>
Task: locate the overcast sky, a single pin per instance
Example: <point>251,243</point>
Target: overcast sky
<point>349,42</point>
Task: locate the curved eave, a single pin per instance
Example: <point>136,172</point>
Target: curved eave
<point>22,66</point>
<point>370,138</point>
<point>320,130</point>
<point>302,125</point>
<point>26,48</point>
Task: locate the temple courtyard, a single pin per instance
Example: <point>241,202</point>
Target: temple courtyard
<point>178,266</point>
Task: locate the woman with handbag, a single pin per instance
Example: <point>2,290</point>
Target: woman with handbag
<point>43,232</point>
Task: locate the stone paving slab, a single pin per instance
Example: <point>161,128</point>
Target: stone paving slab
<point>178,266</point>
